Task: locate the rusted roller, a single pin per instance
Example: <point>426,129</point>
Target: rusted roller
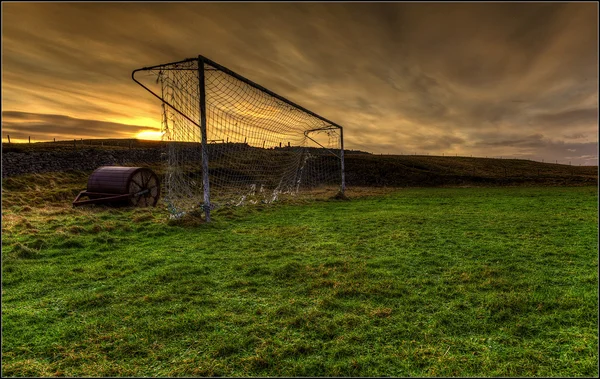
<point>136,186</point>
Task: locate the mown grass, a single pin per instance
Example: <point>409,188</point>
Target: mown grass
<point>414,282</point>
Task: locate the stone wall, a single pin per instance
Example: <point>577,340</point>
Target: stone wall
<point>27,162</point>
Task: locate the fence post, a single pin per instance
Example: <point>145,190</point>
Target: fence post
<point>8,135</point>
<point>29,139</point>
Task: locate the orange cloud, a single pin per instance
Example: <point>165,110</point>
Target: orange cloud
<point>438,78</point>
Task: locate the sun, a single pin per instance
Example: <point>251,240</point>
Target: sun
<point>151,135</point>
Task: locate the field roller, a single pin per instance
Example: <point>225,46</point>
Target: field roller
<point>116,185</point>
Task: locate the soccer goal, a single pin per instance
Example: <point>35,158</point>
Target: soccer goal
<point>230,141</point>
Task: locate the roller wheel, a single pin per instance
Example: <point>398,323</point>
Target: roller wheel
<point>145,181</point>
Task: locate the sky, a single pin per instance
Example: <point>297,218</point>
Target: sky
<point>517,80</point>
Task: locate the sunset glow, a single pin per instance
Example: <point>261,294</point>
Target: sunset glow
<point>515,80</point>
<point>149,135</point>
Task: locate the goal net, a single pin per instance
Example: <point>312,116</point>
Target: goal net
<point>229,141</point>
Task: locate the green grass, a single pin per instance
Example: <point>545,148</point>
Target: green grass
<point>415,282</point>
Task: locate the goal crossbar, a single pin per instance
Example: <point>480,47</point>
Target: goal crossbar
<point>203,59</point>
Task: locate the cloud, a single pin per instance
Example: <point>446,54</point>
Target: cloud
<point>571,117</point>
<point>46,127</point>
<point>465,78</point>
<point>574,136</point>
<point>535,140</point>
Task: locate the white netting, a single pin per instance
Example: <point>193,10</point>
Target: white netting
<point>260,148</point>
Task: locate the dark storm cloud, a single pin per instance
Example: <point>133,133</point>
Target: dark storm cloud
<point>574,136</point>
<point>43,127</point>
<point>565,152</point>
<point>455,78</point>
<point>570,117</point>
<point>535,140</point>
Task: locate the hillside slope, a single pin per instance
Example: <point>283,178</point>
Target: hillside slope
<point>362,169</point>
<point>426,171</point>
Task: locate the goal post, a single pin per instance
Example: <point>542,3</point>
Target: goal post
<point>230,141</point>
<point>202,99</point>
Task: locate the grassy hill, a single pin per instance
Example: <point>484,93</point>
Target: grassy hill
<point>433,171</point>
<point>107,143</point>
<point>364,169</point>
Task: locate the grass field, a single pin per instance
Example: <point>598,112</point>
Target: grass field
<point>411,282</point>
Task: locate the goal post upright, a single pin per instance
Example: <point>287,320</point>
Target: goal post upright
<point>341,156</point>
<point>202,98</point>
<point>343,187</point>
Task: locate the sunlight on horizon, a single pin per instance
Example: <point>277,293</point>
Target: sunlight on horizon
<point>149,135</point>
